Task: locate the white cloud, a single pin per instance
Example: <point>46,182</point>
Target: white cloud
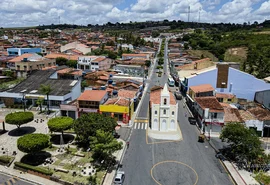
<point>35,12</point>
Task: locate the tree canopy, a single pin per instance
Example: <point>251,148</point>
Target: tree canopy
<point>88,124</point>
<point>61,61</point>
<point>46,89</point>
<point>245,145</point>
<point>104,144</point>
<point>19,118</point>
<point>59,124</point>
<point>32,143</point>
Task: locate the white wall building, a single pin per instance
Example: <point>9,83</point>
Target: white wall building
<point>164,110</point>
<point>94,63</point>
<point>75,45</point>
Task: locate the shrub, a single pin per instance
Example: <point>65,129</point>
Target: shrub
<point>6,159</point>
<point>34,168</point>
<point>59,124</point>
<point>19,118</point>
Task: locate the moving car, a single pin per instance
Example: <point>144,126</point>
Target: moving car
<point>220,156</point>
<point>178,95</point>
<point>119,178</point>
<point>192,120</point>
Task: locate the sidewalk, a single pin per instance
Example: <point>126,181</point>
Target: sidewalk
<point>119,157</point>
<point>26,176</point>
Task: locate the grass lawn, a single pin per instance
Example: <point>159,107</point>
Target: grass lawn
<point>205,53</point>
<point>263,178</point>
<point>9,84</point>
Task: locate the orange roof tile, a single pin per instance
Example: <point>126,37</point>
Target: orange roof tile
<point>155,96</point>
<point>126,93</point>
<point>260,113</point>
<point>92,95</point>
<point>56,55</point>
<point>202,88</point>
<point>134,55</point>
<point>117,101</point>
<point>209,102</point>
<point>99,59</point>
<point>20,58</point>
<point>225,95</point>
<point>232,115</point>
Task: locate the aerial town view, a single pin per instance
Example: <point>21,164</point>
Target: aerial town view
<point>135,92</point>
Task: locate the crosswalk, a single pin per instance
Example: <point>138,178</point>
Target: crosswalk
<point>11,181</point>
<point>142,126</point>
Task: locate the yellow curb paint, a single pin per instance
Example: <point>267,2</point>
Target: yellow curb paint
<point>177,162</point>
<point>227,172</point>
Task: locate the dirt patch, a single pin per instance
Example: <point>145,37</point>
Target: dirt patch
<point>236,54</point>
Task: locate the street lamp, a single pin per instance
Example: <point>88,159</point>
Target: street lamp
<point>23,98</point>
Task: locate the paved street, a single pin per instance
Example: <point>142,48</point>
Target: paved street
<point>148,161</point>
<point>8,180</point>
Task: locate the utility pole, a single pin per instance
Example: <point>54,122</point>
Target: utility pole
<point>199,14</point>
<point>188,12</point>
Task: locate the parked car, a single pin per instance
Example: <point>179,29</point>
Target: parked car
<point>220,156</point>
<point>178,96</point>
<point>192,120</point>
<point>119,178</point>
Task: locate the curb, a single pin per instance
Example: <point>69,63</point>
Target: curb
<point>22,178</point>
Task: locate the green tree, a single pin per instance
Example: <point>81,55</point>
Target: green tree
<point>155,33</point>
<point>72,63</point>
<point>61,61</point>
<point>112,55</point>
<point>9,73</point>
<point>147,63</point>
<point>46,89</point>
<point>59,124</point>
<point>88,124</point>
<point>245,145</point>
<point>19,118</point>
<point>40,102</point>
<point>33,143</point>
<point>104,144</point>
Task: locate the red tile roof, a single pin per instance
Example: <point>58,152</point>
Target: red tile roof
<point>20,58</point>
<point>56,55</point>
<point>260,113</point>
<point>232,115</point>
<point>117,101</point>
<point>225,95</point>
<point>202,88</point>
<point>126,93</point>
<point>155,96</point>
<point>92,95</point>
<point>209,102</point>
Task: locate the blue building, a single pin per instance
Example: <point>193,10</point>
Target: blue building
<point>227,80</point>
<point>20,51</point>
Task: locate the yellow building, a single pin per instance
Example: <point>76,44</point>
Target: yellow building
<point>120,108</point>
<point>226,98</point>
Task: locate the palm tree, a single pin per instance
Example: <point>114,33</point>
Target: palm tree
<point>46,89</point>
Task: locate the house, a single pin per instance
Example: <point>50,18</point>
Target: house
<point>28,62</point>
<point>201,91</point>
<point>126,56</point>
<point>120,106</point>
<point>21,51</point>
<point>227,80</point>
<point>163,109</point>
<point>89,101</point>
<point>126,47</point>
<point>63,90</point>
<point>70,73</point>
<point>75,47</point>
<point>226,98</point>
<point>57,55</point>
<point>263,97</point>
<point>197,64</point>
<point>133,70</point>
<point>209,111</point>
<point>94,63</point>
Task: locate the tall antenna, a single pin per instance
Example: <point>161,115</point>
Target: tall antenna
<point>188,12</point>
<point>59,19</point>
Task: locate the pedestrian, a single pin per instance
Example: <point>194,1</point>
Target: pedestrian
<point>185,114</point>
<point>128,144</point>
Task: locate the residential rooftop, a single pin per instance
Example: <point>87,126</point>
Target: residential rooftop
<point>209,102</point>
<point>202,88</point>
<point>92,95</point>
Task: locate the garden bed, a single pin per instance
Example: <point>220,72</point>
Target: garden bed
<point>6,160</point>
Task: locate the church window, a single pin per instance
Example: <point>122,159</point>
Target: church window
<point>156,112</point>
<point>173,113</point>
<point>165,101</point>
<point>164,111</point>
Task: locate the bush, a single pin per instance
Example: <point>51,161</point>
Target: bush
<point>59,124</point>
<point>19,118</point>
<point>6,159</point>
<point>34,168</point>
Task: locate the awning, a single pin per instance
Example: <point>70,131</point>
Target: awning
<point>34,96</point>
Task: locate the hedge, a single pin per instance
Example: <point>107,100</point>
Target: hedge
<point>38,169</point>
<point>6,159</point>
<point>59,124</point>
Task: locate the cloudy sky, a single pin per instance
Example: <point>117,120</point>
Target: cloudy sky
<point>16,13</point>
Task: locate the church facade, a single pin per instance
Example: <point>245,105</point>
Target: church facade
<point>164,109</point>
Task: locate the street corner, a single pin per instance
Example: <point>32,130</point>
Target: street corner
<point>158,137</point>
<point>176,172</point>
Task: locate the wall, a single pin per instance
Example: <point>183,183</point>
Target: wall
<point>23,50</point>
<point>76,90</point>
<point>263,97</point>
<point>243,85</point>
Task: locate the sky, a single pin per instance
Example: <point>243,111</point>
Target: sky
<point>19,13</point>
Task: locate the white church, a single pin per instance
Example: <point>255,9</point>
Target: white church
<point>164,109</point>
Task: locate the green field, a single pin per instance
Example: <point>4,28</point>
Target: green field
<point>205,53</point>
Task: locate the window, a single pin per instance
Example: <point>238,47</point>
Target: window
<point>173,113</point>
<point>215,115</point>
<point>220,99</point>
<point>164,111</point>
<point>229,99</point>
<point>155,112</point>
<point>165,101</point>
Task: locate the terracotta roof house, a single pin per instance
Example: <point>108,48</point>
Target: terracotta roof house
<point>201,91</point>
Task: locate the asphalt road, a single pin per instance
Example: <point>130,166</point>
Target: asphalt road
<point>8,180</point>
<point>185,162</point>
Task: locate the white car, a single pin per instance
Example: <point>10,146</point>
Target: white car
<point>119,178</point>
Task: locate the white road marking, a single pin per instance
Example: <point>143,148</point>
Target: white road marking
<point>139,125</point>
<point>135,125</point>
<point>145,126</point>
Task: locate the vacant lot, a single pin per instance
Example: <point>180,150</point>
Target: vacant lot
<point>236,54</point>
<point>204,53</point>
